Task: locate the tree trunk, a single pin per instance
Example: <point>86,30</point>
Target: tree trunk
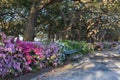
<point>30,26</point>
<point>29,29</point>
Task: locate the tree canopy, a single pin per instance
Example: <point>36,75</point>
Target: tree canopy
<point>91,20</point>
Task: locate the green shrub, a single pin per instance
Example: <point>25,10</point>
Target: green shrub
<point>82,47</point>
<point>86,47</point>
<point>107,45</point>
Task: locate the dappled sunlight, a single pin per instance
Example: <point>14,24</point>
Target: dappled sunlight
<point>117,64</point>
<point>85,66</point>
<point>100,75</point>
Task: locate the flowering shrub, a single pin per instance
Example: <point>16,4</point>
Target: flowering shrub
<point>51,54</point>
<point>34,54</point>
<point>105,45</point>
<point>18,57</point>
<point>98,46</point>
<point>114,44</point>
<point>11,61</point>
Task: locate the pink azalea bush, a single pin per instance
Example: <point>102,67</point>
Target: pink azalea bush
<point>18,57</point>
<point>105,45</point>
<point>51,56</point>
<point>98,46</point>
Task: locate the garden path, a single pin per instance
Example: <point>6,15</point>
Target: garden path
<point>102,65</point>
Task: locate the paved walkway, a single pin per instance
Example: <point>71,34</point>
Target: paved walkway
<point>103,65</point>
